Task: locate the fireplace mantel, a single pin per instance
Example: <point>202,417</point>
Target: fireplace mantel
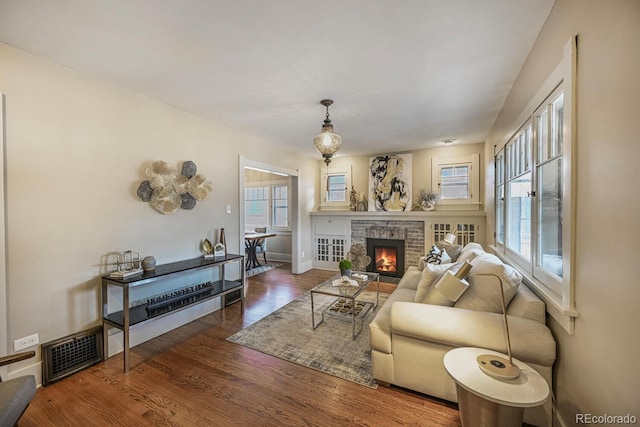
<point>399,216</point>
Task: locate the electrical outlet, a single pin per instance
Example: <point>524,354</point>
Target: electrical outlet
<point>26,342</point>
<point>302,254</point>
<point>228,208</point>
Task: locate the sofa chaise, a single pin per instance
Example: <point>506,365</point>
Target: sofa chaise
<point>409,339</point>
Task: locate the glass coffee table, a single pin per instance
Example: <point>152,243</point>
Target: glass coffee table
<point>346,305</point>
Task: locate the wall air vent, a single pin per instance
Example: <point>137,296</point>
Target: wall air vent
<point>68,355</point>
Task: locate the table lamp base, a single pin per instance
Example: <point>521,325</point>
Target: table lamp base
<point>497,367</point>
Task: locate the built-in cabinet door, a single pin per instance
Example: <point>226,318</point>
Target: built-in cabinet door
<point>330,241</point>
<point>467,230</point>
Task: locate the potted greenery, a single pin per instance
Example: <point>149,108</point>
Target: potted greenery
<point>428,199</point>
<point>345,267</point>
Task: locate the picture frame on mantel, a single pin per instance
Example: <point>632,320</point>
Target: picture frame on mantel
<point>390,182</point>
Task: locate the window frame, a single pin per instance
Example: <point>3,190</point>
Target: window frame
<point>559,296</point>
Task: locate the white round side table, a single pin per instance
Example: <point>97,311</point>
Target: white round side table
<point>487,401</point>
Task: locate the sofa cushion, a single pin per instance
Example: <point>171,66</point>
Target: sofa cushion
<point>484,290</point>
<point>453,250</point>
<point>430,274</point>
<point>433,274</point>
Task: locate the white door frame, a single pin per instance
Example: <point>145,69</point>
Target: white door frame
<point>4,319</point>
<point>296,244</point>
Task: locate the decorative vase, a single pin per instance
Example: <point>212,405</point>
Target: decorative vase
<point>149,263</point>
<point>223,240</point>
<point>345,273</point>
<point>426,206</point>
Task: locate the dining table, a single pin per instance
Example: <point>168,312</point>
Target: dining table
<point>251,242</point>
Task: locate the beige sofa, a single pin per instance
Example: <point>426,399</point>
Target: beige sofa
<point>409,339</point>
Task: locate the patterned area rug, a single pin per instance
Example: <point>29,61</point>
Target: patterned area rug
<point>262,269</point>
<point>287,334</point>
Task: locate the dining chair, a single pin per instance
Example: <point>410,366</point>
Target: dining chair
<point>261,246</point>
<point>15,394</point>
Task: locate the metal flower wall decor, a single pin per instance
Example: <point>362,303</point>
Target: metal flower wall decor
<point>167,190</point>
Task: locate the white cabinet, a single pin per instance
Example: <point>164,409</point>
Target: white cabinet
<point>466,229</point>
<point>330,241</point>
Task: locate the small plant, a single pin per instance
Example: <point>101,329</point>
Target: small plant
<point>428,198</point>
<point>345,264</point>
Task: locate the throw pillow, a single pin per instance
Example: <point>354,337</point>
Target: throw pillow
<point>452,250</point>
<point>427,294</point>
<point>484,288</point>
<point>437,256</point>
<point>430,274</point>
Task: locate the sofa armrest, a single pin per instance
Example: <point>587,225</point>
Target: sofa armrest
<point>531,341</point>
<point>13,358</point>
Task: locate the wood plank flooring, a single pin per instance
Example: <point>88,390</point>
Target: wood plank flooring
<point>192,376</point>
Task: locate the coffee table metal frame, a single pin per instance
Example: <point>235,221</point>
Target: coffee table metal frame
<point>348,293</point>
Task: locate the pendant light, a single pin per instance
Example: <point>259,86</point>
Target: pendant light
<point>327,142</point>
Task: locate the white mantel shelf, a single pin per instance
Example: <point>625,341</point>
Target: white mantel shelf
<point>407,216</point>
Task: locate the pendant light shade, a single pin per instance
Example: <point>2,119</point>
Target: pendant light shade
<point>327,143</point>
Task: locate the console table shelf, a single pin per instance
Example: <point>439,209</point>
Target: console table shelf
<point>130,316</point>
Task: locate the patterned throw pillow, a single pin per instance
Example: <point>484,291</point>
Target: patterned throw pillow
<point>437,256</point>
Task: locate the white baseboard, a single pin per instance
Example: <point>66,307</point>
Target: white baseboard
<point>275,256</point>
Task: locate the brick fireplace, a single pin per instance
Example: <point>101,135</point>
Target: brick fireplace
<point>387,256</point>
<point>389,236</point>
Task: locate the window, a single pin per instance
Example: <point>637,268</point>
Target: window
<point>267,204</point>
<point>336,188</point>
<point>519,192</point>
<point>280,206</point>
<point>256,205</point>
<point>335,183</point>
<point>454,182</point>
<point>533,195</point>
<point>458,180</point>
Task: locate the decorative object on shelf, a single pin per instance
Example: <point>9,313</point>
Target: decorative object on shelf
<point>390,182</point>
<point>219,250</point>
<point>207,248</point>
<point>127,264</point>
<point>358,256</point>
<point>362,203</point>
<point>327,142</point>
<point>149,263</point>
<point>428,199</point>
<point>345,266</point>
<point>167,190</point>
<point>222,244</point>
<point>353,200</point>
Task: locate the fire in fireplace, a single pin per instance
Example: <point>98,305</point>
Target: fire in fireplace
<point>387,256</point>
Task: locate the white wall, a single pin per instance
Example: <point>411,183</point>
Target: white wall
<point>76,151</point>
<point>596,368</point>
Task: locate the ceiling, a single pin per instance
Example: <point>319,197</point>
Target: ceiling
<point>404,75</point>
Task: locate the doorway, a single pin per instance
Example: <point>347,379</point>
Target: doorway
<point>269,204</point>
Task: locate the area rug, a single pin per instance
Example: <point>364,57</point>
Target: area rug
<point>287,334</point>
<point>262,269</point>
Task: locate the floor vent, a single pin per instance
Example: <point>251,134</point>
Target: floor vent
<point>68,355</point>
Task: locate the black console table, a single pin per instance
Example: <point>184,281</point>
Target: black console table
<point>158,306</point>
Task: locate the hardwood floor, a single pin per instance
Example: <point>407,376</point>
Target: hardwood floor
<point>192,376</point>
